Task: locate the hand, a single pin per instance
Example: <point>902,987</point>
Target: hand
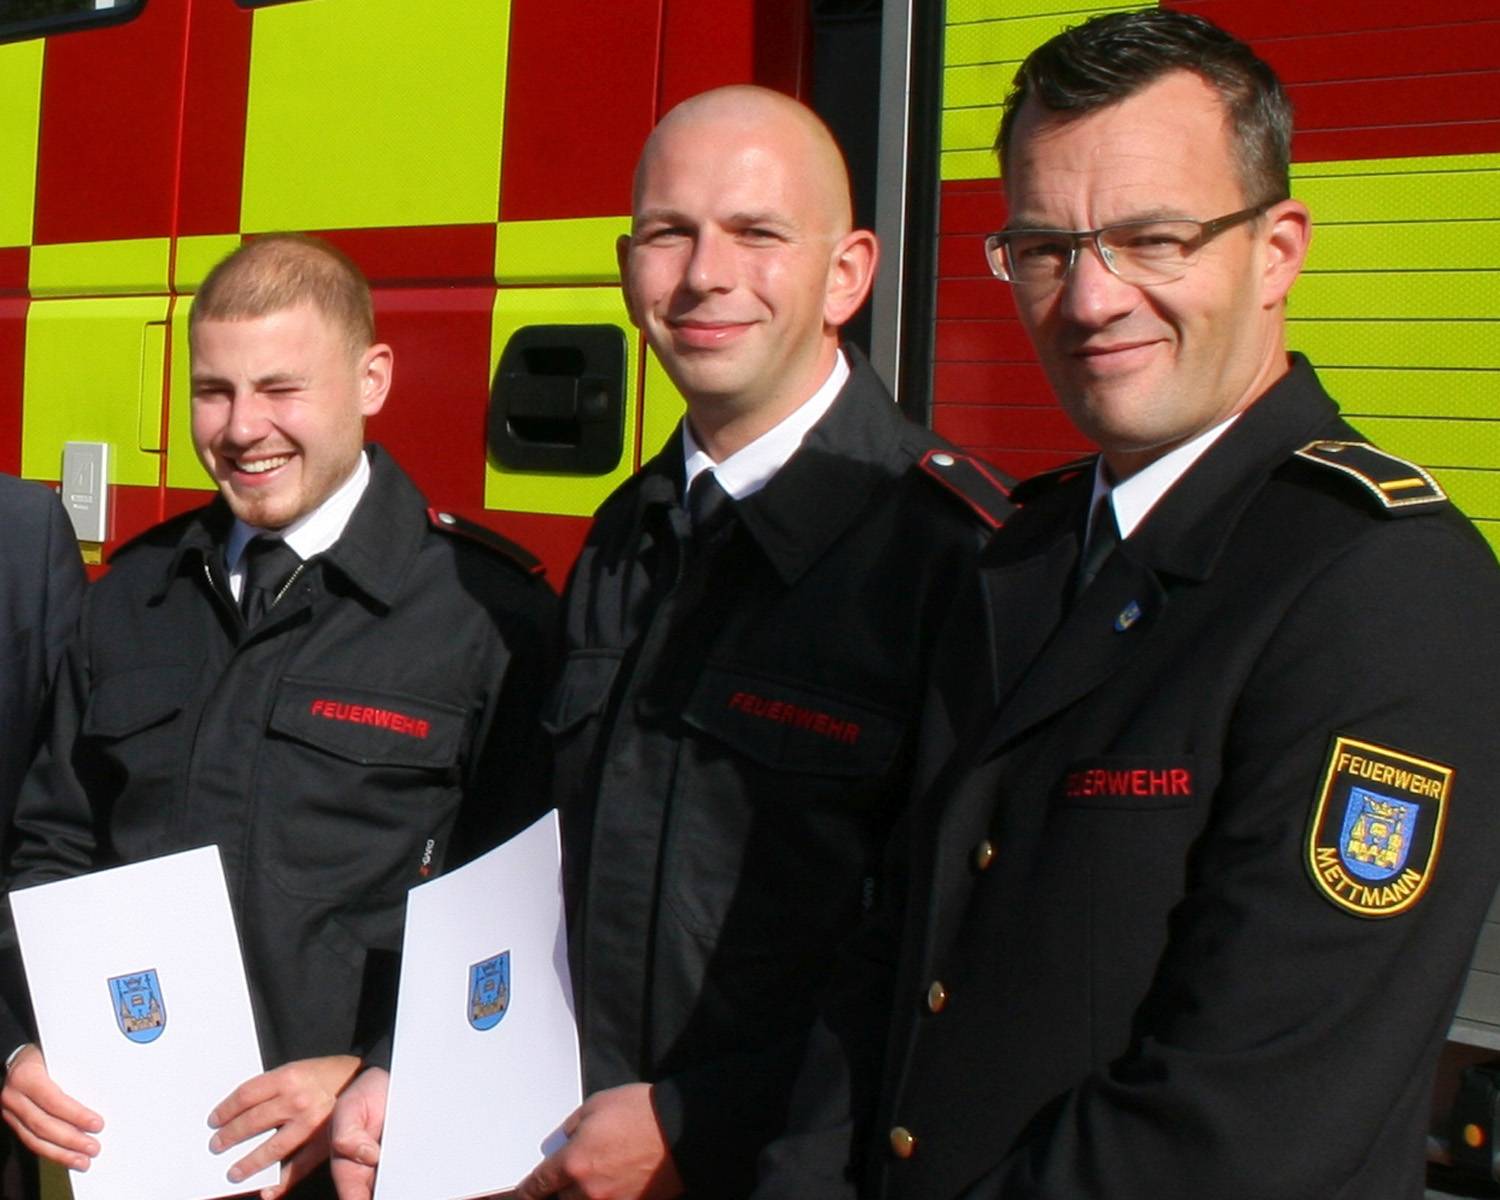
<point>295,1100</point>
<point>49,1122</point>
<point>354,1133</point>
<point>615,1151</point>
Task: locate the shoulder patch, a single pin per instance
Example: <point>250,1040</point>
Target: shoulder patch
<point>1398,485</point>
<point>1042,481</point>
<point>978,485</point>
<point>1376,827</point>
<point>452,523</point>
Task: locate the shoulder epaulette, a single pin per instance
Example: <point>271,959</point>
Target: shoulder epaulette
<point>1035,485</point>
<point>980,486</point>
<point>1400,486</point>
<point>447,522</point>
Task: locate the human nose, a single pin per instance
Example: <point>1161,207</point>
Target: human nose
<point>249,417</point>
<point>711,267</point>
<point>1092,294</point>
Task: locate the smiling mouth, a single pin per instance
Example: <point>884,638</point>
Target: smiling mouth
<point>261,465</point>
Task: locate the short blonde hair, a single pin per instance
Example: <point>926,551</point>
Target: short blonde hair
<point>282,270</point>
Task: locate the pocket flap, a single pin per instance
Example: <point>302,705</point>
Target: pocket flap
<point>366,726</point>
<point>793,727</point>
<point>129,701</point>
<point>582,690</point>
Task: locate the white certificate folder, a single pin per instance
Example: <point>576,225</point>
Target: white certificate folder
<point>484,1065</point>
<point>144,1016</point>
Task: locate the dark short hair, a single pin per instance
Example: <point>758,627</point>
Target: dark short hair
<point>283,270</point>
<point>1111,57</point>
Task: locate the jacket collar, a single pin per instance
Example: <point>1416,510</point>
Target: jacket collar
<point>1187,531</point>
<point>823,487</point>
<point>375,551</point>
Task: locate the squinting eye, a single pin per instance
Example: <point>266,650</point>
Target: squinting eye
<point>1039,250</point>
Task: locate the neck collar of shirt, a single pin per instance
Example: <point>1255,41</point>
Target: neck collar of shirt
<point>751,467</point>
<point>310,534</point>
<point>1137,496</point>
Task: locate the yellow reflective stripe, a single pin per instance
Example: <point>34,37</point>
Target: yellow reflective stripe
<point>376,114</point>
<point>1405,295</point>
<point>1401,485</point>
<point>663,408</point>
<point>183,468</point>
<point>992,37</point>
<point>1404,245</point>
<point>20,115</point>
<point>580,250</point>
<point>983,44</point>
<point>88,379</point>
<point>1438,190</point>
<point>197,255</point>
<point>133,266</point>
<point>1476,492</point>
<point>1472,445</point>
<point>960,11</point>
<point>1471,345</point>
<point>1410,393</point>
<point>566,495</point>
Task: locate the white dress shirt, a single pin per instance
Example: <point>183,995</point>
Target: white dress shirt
<point>751,467</point>
<point>309,534</point>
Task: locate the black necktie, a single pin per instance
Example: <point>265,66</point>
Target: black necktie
<point>1103,537</point>
<point>708,504</point>
<point>269,563</point>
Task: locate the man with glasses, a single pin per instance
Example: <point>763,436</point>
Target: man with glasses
<point>1186,913</point>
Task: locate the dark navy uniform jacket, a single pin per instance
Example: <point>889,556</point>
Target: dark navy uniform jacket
<point>41,586</point>
<point>374,727</point>
<point>733,730</point>
<point>1187,913</point>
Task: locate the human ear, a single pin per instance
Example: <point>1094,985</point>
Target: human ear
<point>375,366</point>
<point>851,271</point>
<point>1287,234</point>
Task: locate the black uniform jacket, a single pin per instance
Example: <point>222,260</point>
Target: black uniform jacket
<point>733,732</point>
<point>1129,967</point>
<point>375,726</point>
<point>41,585</point>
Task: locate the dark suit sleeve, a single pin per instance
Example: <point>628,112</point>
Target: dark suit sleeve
<point>53,824</point>
<point>1283,1037</point>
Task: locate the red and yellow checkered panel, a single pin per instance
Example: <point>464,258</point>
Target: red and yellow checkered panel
<point>474,156</point>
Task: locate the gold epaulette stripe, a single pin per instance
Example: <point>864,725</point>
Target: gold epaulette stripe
<point>1337,454</point>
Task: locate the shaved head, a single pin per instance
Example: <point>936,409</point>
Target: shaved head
<point>742,263</point>
<point>748,114</point>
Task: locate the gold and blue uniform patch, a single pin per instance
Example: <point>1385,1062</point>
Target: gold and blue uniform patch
<point>1377,827</point>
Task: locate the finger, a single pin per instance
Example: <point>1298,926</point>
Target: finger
<point>32,1085</point>
<point>274,1149</point>
<point>296,1169</point>
<point>247,1095</point>
<point>546,1178</point>
<point>252,1123</point>
<point>352,1180</point>
<point>54,1151</point>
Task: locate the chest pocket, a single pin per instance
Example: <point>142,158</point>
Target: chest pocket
<point>130,702</point>
<point>372,728</point>
<point>791,727</point>
<point>582,691</point>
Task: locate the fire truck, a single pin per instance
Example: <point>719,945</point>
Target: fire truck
<point>474,157</point>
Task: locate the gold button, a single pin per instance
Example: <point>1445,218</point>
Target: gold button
<point>984,854</point>
<point>902,1142</point>
<point>937,996</point>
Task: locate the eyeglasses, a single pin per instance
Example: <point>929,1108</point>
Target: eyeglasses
<point>1139,252</point>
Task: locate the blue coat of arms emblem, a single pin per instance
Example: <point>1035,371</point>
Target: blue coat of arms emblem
<point>1377,834</point>
<point>139,1010</point>
<point>489,991</point>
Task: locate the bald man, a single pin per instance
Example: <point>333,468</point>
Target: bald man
<point>747,631</point>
